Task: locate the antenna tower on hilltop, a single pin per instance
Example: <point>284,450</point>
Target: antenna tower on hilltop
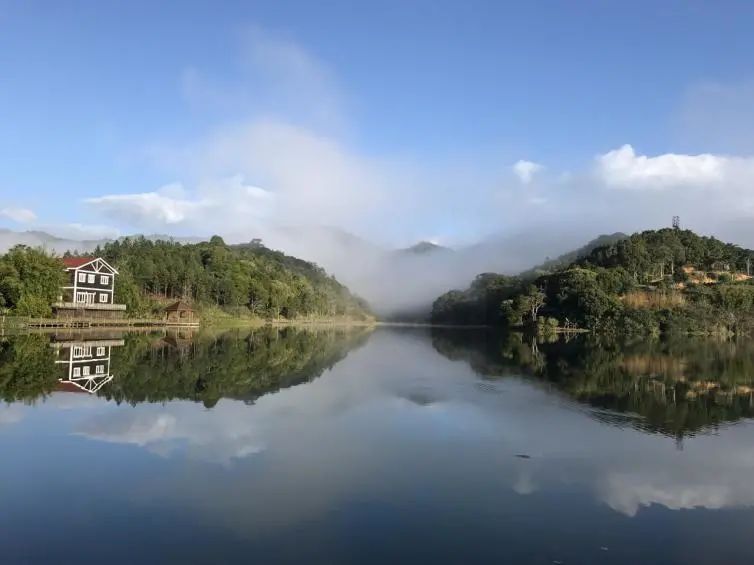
<point>676,222</point>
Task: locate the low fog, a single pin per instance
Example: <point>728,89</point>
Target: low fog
<point>398,282</point>
<point>403,282</point>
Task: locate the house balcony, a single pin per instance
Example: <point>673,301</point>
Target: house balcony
<point>88,306</point>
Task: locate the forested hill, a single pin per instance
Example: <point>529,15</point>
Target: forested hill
<point>566,259</point>
<point>655,253</point>
<point>240,280</point>
<point>653,281</point>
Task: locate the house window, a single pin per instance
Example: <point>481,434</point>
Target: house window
<point>90,279</point>
<point>104,279</point>
<point>100,351</point>
<point>82,351</point>
<point>103,297</point>
<point>100,370</point>
<point>85,371</point>
<point>82,277</point>
<point>77,371</point>
<point>85,297</point>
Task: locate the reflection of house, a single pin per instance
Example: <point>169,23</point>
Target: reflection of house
<point>85,365</point>
<point>89,290</point>
<point>181,313</point>
<point>179,339</point>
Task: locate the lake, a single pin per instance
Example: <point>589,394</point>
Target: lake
<point>393,445</point>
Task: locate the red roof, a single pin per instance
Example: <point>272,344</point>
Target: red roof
<point>74,262</point>
<point>68,386</point>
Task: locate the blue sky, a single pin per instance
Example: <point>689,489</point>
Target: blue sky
<point>396,120</point>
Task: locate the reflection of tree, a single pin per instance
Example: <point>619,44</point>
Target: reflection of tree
<point>27,368</point>
<point>240,364</point>
<point>676,387</point>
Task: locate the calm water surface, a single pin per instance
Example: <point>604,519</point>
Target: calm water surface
<point>391,446</point>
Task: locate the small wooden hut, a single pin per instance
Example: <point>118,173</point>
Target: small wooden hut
<point>181,314</point>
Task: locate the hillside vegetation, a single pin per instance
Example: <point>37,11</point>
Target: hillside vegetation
<point>657,281</point>
<point>241,280</point>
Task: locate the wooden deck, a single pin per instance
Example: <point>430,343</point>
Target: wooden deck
<point>19,322</point>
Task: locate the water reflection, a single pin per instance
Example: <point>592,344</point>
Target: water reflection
<point>376,448</point>
<point>171,364</point>
<point>676,387</point>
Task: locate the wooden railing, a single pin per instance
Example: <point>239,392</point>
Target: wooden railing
<point>92,306</point>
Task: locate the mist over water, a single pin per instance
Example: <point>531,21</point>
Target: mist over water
<point>405,281</point>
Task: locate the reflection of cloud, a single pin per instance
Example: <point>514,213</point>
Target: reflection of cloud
<point>72,401</point>
<point>10,414</point>
<point>524,484</point>
<point>135,428</point>
<point>625,493</point>
<point>213,435</point>
<point>714,473</point>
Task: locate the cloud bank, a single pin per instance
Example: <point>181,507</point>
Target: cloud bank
<point>623,168</point>
<point>19,215</point>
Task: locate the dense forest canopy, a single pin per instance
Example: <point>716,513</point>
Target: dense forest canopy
<point>662,280</point>
<point>245,279</point>
<point>30,281</point>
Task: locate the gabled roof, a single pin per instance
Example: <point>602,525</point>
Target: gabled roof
<point>75,262</point>
<point>78,262</point>
<point>84,384</point>
<point>178,306</point>
<point>69,386</point>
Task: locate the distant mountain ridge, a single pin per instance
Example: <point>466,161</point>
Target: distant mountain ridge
<point>60,245</point>
<point>425,247</point>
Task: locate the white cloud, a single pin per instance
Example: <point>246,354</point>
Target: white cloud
<point>308,179</point>
<point>623,168</point>
<point>218,205</point>
<point>19,215</point>
<point>525,170</point>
